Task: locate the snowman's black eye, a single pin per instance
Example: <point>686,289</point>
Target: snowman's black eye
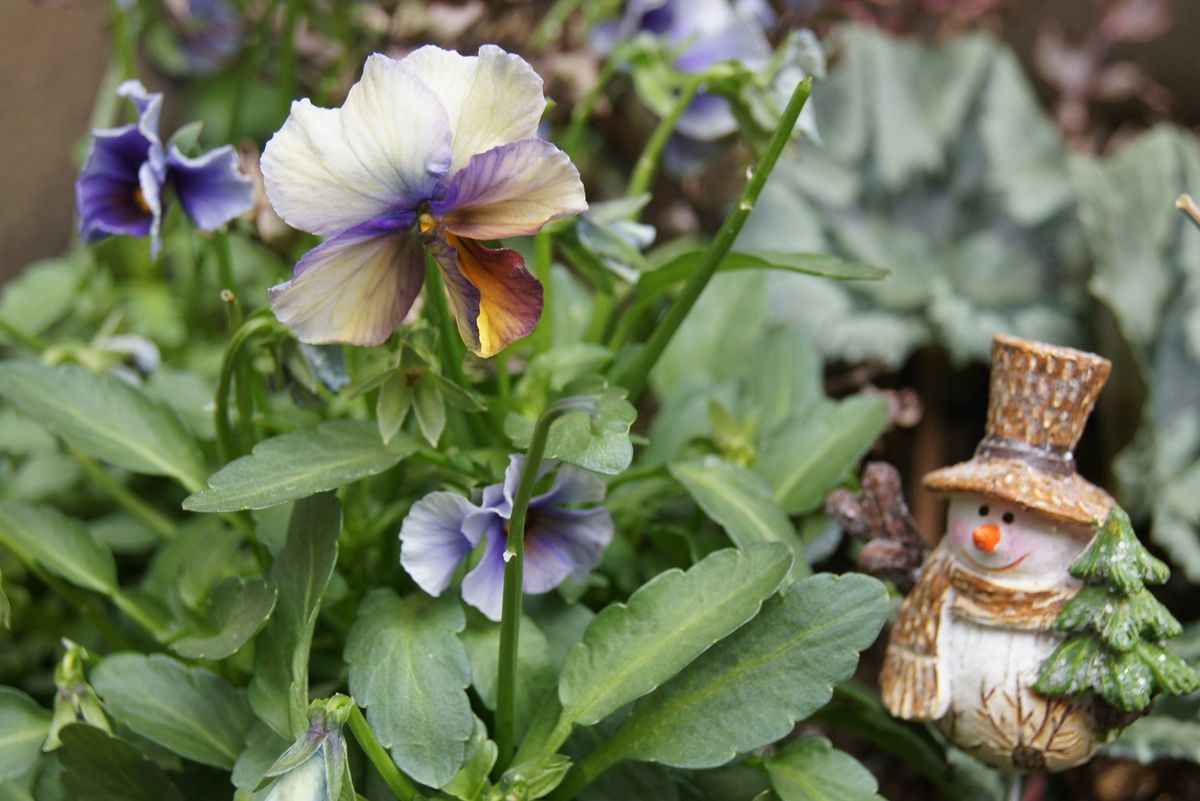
<point>983,510</point>
<point>1008,517</point>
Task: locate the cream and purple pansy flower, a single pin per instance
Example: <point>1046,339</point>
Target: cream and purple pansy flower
<point>121,187</point>
<point>435,150</point>
<point>566,532</point>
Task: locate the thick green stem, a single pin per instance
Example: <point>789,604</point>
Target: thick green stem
<point>543,266</point>
<point>450,343</point>
<point>155,520</point>
<point>647,164</point>
<point>123,40</point>
<point>514,567</point>
<point>397,782</point>
<point>584,773</point>
<point>634,378</point>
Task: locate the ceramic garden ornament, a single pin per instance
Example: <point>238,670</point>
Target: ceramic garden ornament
<point>996,643</point>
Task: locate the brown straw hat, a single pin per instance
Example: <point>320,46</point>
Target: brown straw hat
<point>1040,399</point>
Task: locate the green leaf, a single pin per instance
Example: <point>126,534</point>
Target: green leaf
<point>676,271</point>
<point>237,610</point>
<point>100,767</point>
<point>410,672</point>
<point>300,464</point>
<point>391,409</point>
<point>631,648</point>
<point>598,442</point>
<point>190,711</point>
<point>814,452</point>
<point>430,409</point>
<point>753,686</point>
<point>40,295</point>
<point>23,727</point>
<point>786,377</point>
<point>107,418</point>
<point>738,501</point>
<point>301,571</point>
<point>469,783</point>
<point>811,769</point>
<point>58,543</point>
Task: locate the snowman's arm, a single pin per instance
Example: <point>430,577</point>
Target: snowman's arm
<point>914,680</point>
<point>880,515</point>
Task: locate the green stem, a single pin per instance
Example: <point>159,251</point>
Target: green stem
<point>287,56</point>
<point>609,753</point>
<point>553,22</point>
<point>123,40</point>
<point>603,304</point>
<point>647,164</point>
<point>514,568</point>
<point>158,522</point>
<point>543,265</point>
<point>635,376</point>
<point>17,334</point>
<point>226,445</point>
<point>244,386</point>
<point>582,113</point>
<point>397,782</point>
<point>450,343</point>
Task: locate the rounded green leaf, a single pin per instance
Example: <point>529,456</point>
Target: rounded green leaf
<point>190,711</point>
<point>23,728</point>
<point>810,769</point>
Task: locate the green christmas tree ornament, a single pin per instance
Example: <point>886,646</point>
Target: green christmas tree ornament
<point>1116,628</point>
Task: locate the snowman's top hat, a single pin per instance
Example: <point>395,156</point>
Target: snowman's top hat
<point>1041,397</point>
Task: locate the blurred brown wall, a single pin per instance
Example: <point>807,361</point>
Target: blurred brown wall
<point>52,57</point>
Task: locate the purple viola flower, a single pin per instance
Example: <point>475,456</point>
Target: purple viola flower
<point>120,188</point>
<point>705,32</point>
<point>435,150</point>
<point>211,33</point>
<point>566,532</point>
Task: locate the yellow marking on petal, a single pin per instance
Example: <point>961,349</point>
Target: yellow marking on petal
<point>140,200</point>
<point>510,299</point>
<point>426,222</point>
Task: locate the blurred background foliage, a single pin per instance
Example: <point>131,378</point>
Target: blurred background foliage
<point>1014,165</point>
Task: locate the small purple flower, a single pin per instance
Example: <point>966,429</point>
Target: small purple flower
<point>706,32</point>
<point>120,188</point>
<point>566,533</point>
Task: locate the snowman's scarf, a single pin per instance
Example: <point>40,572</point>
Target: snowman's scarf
<point>979,599</point>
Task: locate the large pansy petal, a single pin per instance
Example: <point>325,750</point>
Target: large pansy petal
<point>108,193</point>
<point>327,170</point>
<point>210,188</point>
<point>483,587</point>
<point>511,190</point>
<point>354,288</point>
<point>561,543</point>
<point>492,99</point>
<point>432,543</point>
<point>494,298</point>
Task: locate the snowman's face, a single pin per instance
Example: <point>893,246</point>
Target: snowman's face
<point>1009,540</point>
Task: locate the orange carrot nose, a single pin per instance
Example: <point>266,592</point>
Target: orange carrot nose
<point>986,537</point>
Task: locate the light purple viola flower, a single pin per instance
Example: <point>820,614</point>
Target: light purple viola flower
<point>566,532</point>
<point>121,186</point>
<point>435,150</point>
<point>211,33</point>
<point>706,32</point>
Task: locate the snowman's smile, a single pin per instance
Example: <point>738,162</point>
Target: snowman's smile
<point>1001,568</point>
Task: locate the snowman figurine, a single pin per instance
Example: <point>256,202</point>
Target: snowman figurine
<point>967,645</point>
